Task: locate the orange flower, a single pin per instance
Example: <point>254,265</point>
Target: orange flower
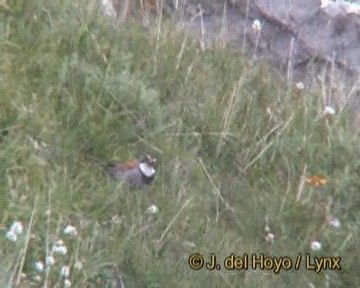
<point>316,180</point>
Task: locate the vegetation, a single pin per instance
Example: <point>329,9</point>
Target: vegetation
<point>237,151</point>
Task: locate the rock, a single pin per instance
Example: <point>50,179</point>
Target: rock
<point>316,42</point>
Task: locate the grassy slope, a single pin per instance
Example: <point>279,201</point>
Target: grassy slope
<point>234,147</point>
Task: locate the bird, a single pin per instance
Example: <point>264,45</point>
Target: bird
<point>138,172</point>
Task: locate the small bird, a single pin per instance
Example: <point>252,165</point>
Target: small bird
<point>135,172</point>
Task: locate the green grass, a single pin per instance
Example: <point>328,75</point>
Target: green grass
<point>234,146</point>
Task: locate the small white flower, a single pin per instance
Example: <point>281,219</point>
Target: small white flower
<point>324,3</point>
<point>65,271</point>
<point>78,265</point>
<point>59,243</point>
<point>59,250</point>
<point>256,25</point>
<point>270,237</point>
<point>59,247</point>
<point>189,244</point>
<point>67,283</point>
<point>17,227</point>
<point>116,218</point>
<point>334,222</point>
<point>311,285</point>
<point>267,229</point>
<point>11,235</point>
<point>49,261</point>
<point>37,278</point>
<point>39,266</point>
<point>70,230</point>
<point>299,86</point>
<point>315,245</point>
<point>108,8</point>
<point>329,110</point>
<point>153,209</point>
<point>353,8</point>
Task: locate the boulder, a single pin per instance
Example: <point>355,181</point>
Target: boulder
<point>316,42</point>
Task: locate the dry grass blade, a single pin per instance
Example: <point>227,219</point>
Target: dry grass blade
<point>287,187</point>
<point>27,240</point>
<point>216,189</point>
<point>301,184</point>
<point>164,233</point>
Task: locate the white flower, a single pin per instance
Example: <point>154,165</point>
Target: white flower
<point>70,230</point>
<point>78,265</point>
<point>37,278</point>
<point>116,219</point>
<point>189,244</point>
<point>256,25</point>
<point>39,266</point>
<point>300,86</point>
<point>59,243</point>
<point>329,110</point>
<point>49,261</point>
<point>353,8</point>
<point>11,235</point>
<point>108,8</point>
<point>59,249</point>
<point>315,245</point>
<point>17,227</point>
<point>65,271</point>
<point>334,222</point>
<point>153,209</point>
<point>324,3</point>
<point>67,283</point>
<point>270,237</point>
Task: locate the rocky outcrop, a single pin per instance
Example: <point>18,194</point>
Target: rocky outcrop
<point>315,42</point>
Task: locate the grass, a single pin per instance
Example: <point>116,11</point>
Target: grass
<point>234,146</point>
